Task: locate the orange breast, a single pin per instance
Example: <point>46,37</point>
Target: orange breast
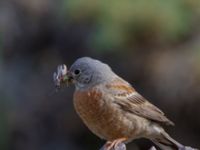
<point>102,117</point>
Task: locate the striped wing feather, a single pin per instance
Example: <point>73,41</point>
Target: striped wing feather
<point>131,101</point>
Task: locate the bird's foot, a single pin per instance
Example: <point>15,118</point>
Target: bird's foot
<point>115,145</point>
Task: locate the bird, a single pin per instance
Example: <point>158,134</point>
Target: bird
<point>113,110</point>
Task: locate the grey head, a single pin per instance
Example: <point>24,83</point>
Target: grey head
<point>87,72</point>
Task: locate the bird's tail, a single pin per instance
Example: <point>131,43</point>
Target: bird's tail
<point>165,142</point>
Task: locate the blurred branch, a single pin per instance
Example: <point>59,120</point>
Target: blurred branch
<point>122,146</point>
<point>152,148</point>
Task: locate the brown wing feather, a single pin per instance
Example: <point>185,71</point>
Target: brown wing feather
<point>132,102</point>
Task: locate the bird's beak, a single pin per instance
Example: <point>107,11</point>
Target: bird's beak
<point>70,78</point>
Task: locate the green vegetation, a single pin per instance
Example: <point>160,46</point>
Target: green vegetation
<point>118,24</point>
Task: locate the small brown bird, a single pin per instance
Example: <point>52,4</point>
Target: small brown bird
<point>113,110</point>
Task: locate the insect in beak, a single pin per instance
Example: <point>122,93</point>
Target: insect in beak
<point>61,77</point>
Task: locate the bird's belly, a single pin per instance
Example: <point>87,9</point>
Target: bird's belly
<point>105,120</point>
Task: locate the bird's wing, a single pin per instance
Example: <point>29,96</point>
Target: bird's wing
<point>131,101</point>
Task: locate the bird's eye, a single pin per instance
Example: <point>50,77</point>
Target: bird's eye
<point>77,72</point>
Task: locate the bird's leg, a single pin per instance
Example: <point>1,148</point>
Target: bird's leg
<point>115,145</point>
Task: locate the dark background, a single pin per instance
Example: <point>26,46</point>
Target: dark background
<point>155,45</point>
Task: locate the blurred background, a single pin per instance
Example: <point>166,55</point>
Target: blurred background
<point>153,45</point>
